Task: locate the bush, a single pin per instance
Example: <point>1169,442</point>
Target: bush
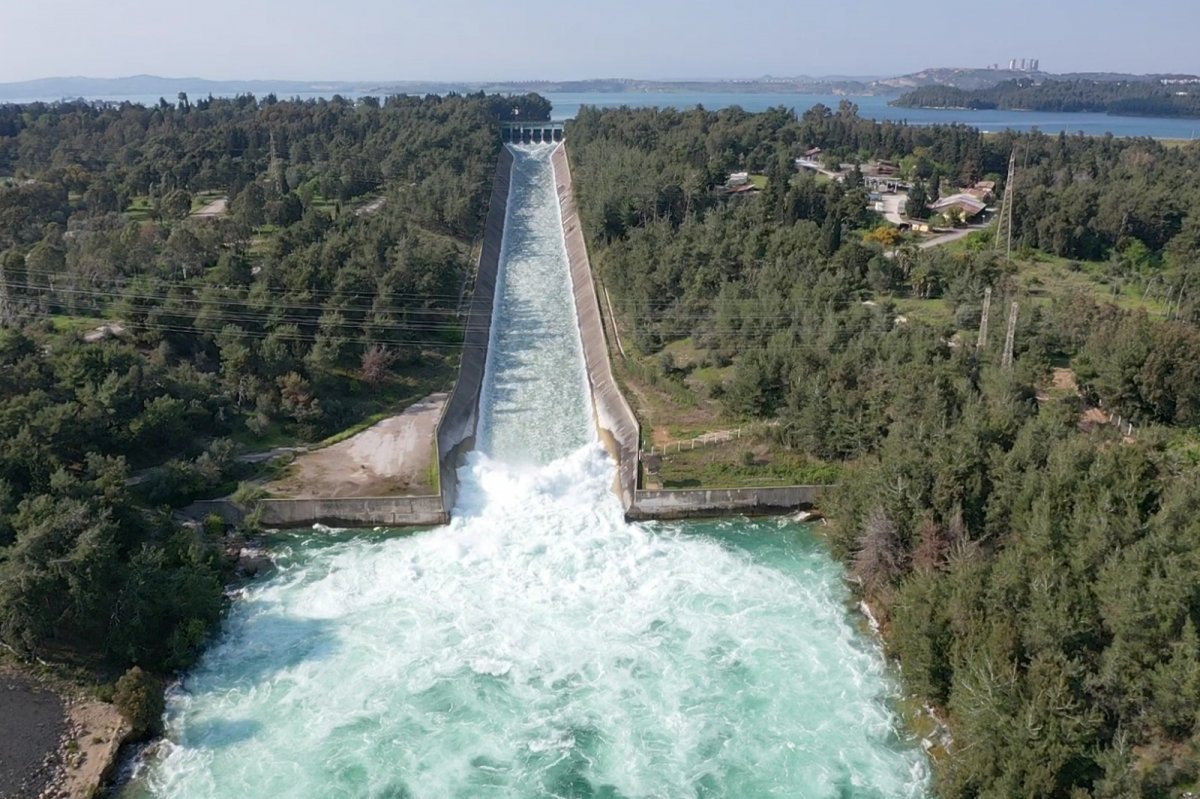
<point>214,525</point>
<point>140,700</point>
<point>968,317</point>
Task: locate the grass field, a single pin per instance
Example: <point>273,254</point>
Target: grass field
<point>74,324</point>
<point>747,462</point>
<point>141,209</point>
<point>1041,278</point>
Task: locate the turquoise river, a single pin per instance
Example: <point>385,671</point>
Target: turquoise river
<point>539,646</point>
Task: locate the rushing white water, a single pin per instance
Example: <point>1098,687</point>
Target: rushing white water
<point>539,646</point>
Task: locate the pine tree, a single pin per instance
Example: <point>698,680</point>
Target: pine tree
<point>831,234</point>
<point>918,201</point>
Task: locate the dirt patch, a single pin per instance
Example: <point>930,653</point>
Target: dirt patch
<point>392,458</point>
<point>104,332</point>
<point>33,722</point>
<point>1093,418</point>
<point>1064,380</point>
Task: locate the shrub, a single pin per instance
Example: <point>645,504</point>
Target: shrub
<point>140,700</point>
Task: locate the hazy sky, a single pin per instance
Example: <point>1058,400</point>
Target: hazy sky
<point>559,39</point>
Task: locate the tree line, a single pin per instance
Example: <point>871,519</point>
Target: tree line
<point>1034,579</point>
<point>333,280</point>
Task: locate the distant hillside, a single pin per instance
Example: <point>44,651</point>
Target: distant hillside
<point>765,85</point>
<point>971,80</point>
<point>143,85</point>
<point>1126,98</point>
<point>961,78</point>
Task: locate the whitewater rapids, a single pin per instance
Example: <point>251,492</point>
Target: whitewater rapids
<point>539,646</point>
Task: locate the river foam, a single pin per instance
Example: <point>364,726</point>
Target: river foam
<point>539,646</point>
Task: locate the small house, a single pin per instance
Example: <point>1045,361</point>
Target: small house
<point>968,205</point>
<point>745,188</point>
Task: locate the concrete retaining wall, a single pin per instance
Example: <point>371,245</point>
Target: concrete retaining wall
<point>352,512</point>
<point>456,430</point>
<point>457,424</point>
<point>618,426</point>
<point>700,502</point>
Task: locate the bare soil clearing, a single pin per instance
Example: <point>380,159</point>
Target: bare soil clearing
<point>392,458</point>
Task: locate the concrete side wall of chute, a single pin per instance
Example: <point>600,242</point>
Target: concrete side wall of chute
<point>618,426</point>
<point>460,420</point>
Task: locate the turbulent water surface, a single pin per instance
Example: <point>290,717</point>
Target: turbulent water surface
<point>539,646</point>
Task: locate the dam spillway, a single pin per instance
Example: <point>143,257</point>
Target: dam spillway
<point>540,646</point>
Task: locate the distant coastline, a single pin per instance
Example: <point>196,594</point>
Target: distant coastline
<point>568,97</point>
<point>1177,97</point>
<point>963,79</point>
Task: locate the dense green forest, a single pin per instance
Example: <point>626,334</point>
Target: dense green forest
<point>1035,578</point>
<point>331,284</point>
<point>1128,98</point>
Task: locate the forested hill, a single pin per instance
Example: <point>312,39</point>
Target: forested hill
<point>144,343</point>
<point>1132,98</point>
<point>1034,572</point>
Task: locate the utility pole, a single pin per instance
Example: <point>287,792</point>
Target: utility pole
<point>1005,224</point>
<point>6,309</point>
<point>983,320</point>
<point>1010,338</point>
<point>276,170</point>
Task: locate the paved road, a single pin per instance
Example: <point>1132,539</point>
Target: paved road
<point>808,163</point>
<point>214,209</point>
<point>893,206</point>
<point>946,238</point>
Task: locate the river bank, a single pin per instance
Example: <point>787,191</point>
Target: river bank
<point>33,722</point>
<point>53,744</point>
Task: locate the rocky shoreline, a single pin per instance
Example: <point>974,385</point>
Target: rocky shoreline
<point>52,748</point>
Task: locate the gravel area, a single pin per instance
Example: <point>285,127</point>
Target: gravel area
<point>33,722</point>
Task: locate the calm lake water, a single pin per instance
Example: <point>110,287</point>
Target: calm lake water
<point>566,106</point>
